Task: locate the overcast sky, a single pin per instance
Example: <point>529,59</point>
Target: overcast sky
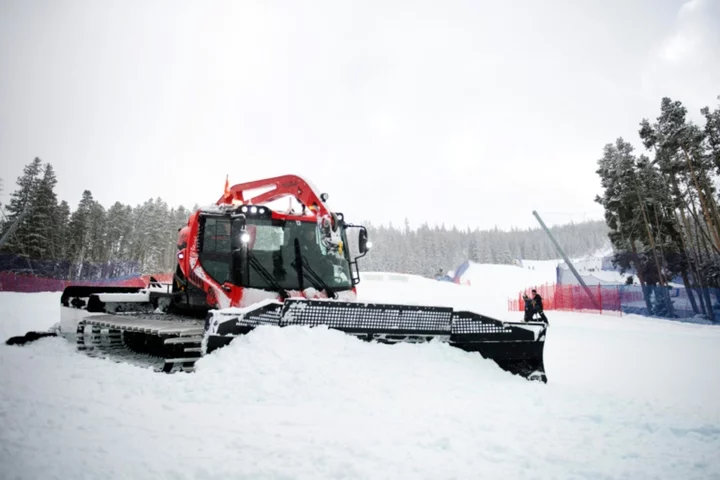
<point>471,112</point>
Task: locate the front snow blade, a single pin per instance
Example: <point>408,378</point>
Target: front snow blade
<point>515,347</point>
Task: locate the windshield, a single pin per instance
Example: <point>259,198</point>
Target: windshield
<point>274,245</point>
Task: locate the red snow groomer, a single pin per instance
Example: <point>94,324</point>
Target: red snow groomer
<point>244,262</point>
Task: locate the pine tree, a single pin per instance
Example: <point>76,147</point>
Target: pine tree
<point>43,224</point>
<point>119,236</point>
<point>97,230</point>
<point>21,203</point>
<point>62,231</point>
<point>3,215</point>
<point>625,212</point>
<point>80,235</point>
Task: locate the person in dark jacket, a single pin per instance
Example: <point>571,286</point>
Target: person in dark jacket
<point>528,308</point>
<point>538,306</point>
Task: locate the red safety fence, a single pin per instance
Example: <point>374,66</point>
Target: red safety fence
<point>574,298</point>
<point>14,282</point>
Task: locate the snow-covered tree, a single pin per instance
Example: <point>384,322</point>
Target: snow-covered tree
<point>20,201</point>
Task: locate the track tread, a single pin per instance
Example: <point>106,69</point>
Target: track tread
<point>143,340</point>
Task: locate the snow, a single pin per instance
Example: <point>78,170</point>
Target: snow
<point>627,398</point>
<point>511,278</point>
<point>124,297</point>
<point>490,287</point>
<point>590,268</point>
<point>253,297</point>
<point>215,208</point>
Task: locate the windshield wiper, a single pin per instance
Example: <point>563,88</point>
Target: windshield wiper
<point>304,269</point>
<point>266,275</point>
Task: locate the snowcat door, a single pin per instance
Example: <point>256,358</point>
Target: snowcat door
<point>240,243</point>
<point>215,251</point>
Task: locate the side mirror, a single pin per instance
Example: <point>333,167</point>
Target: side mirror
<point>363,243</point>
<point>357,237</point>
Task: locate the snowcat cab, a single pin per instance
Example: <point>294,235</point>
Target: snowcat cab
<point>238,255</point>
<point>240,251</point>
<point>242,264</point>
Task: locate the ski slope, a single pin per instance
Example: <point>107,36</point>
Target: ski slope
<point>627,398</point>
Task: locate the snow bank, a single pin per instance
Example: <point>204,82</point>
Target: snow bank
<point>22,312</point>
<point>416,290</point>
<point>488,292</point>
<point>511,278</point>
<point>669,365</point>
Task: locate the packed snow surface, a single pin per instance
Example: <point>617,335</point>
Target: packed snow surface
<point>627,398</point>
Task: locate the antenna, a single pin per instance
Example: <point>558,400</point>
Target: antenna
<point>567,261</point>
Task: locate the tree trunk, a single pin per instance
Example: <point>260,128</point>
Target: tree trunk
<point>698,225</point>
<point>687,246</point>
<point>692,263</point>
<point>703,201</point>
<point>702,240</point>
<point>713,206</point>
<point>641,277</point>
<point>663,260</point>
<point>688,289</point>
<point>650,239</point>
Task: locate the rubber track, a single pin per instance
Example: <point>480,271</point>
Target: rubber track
<point>165,345</point>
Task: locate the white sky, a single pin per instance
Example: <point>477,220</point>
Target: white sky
<point>471,113</point>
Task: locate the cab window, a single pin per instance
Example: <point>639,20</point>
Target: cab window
<point>215,248</point>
